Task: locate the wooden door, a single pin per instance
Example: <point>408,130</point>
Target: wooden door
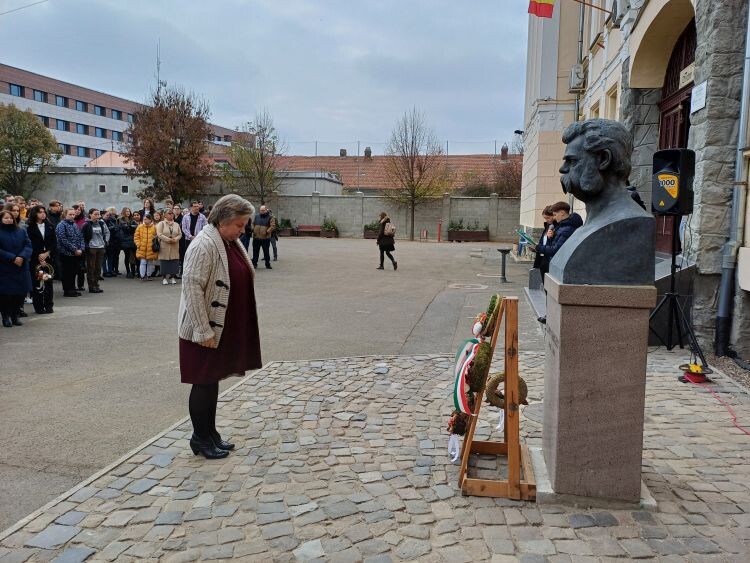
<point>674,125</point>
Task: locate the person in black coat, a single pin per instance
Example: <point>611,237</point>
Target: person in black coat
<point>112,259</point>
<point>540,260</point>
<point>386,242</point>
<point>43,245</point>
<point>565,225</point>
<point>128,225</point>
<point>15,282</point>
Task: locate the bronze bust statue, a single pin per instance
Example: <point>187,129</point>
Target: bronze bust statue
<point>615,245</point>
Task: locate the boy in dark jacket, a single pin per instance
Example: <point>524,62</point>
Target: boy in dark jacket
<point>563,226</point>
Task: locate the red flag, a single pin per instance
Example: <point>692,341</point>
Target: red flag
<point>542,8</point>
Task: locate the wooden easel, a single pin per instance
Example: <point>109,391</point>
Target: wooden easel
<point>514,486</point>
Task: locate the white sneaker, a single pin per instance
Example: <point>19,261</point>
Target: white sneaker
<point>28,301</point>
<point>173,281</point>
<point>164,281</point>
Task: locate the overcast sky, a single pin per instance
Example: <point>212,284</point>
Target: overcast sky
<point>333,70</point>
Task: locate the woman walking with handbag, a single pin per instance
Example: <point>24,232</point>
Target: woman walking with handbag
<point>386,240</point>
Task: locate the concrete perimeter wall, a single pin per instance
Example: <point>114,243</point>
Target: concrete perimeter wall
<point>352,212</point>
<point>106,187</point>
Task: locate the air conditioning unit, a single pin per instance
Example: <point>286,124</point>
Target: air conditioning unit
<point>619,9</point>
<point>577,83</point>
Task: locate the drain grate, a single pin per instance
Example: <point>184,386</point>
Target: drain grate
<point>467,286</point>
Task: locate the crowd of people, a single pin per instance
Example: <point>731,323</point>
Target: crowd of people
<point>82,246</point>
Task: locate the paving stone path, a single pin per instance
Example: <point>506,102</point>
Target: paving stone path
<point>345,460</point>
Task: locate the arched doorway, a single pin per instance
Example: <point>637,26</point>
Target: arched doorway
<point>674,123</point>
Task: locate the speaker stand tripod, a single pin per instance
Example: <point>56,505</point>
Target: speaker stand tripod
<point>671,300</point>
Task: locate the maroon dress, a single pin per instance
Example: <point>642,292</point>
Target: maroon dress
<point>239,348</point>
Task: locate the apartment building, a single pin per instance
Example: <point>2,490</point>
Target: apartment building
<point>85,122</point>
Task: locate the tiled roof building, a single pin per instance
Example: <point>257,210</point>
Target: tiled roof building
<point>369,174</point>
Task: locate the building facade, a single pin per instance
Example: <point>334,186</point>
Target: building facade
<point>86,123</point>
<point>672,72</point>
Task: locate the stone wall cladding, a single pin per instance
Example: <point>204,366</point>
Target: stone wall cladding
<point>639,111</point>
<point>719,58</point>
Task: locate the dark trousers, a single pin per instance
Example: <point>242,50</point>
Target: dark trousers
<point>41,295</point>
<point>112,261</point>
<point>70,266</point>
<point>10,304</point>
<point>81,274</point>
<point>386,253</point>
<point>257,245</point>
<point>130,261</point>
<point>94,259</point>
<point>273,245</point>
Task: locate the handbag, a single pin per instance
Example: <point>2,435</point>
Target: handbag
<point>155,243</point>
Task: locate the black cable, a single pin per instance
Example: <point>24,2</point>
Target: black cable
<point>23,7</point>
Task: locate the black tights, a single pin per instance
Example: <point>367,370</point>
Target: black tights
<point>202,407</point>
<point>387,253</point>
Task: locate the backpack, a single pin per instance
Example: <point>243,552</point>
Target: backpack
<point>390,229</point>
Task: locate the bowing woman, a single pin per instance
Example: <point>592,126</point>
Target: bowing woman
<point>43,243</point>
<point>217,320</point>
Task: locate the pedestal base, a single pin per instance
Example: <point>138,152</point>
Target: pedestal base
<point>594,388</point>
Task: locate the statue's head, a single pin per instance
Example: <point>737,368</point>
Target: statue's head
<point>597,158</point>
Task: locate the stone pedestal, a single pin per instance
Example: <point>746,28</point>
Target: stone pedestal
<point>595,387</point>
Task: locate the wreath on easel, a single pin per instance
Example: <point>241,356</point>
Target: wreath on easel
<point>471,367</point>
<point>495,397</point>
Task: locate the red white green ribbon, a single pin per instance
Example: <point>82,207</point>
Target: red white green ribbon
<point>464,358</point>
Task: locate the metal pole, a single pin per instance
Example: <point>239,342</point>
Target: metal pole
<point>577,108</point>
<point>729,260</point>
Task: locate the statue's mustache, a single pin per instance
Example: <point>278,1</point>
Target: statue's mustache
<point>565,181</point>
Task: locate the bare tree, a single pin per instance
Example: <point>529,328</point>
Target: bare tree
<point>168,142</point>
<point>255,156</point>
<point>415,165</point>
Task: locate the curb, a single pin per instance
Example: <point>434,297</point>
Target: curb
<point>60,498</point>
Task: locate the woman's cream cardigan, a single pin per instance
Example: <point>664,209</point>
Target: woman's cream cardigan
<point>205,287</point>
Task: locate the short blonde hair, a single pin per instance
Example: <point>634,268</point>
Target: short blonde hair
<point>111,210</point>
<point>228,208</point>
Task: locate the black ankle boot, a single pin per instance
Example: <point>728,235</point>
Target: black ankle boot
<point>219,443</point>
<point>206,448</point>
<point>7,323</point>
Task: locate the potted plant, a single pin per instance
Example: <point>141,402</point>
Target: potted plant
<point>457,232</point>
<point>328,229</point>
<point>285,228</point>
<point>371,230</point>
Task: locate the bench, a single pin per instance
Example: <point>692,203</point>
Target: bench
<point>308,230</point>
<point>535,293</point>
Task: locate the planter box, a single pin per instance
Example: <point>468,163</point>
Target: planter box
<point>285,232</point>
<point>371,234</point>
<point>468,236</point>
<point>329,234</point>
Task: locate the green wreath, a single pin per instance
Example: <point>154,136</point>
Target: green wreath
<point>480,367</point>
<point>492,311</point>
<point>494,396</point>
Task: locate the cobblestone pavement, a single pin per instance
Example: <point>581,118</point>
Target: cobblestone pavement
<point>345,460</point>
